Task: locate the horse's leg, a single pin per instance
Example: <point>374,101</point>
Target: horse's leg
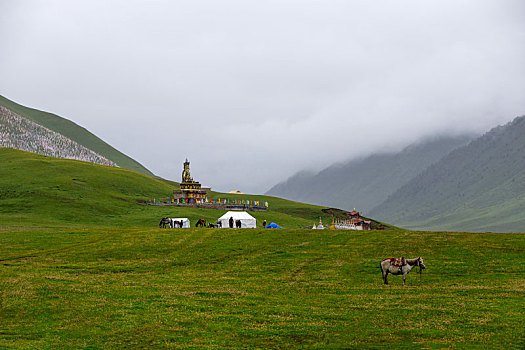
<point>385,276</point>
<point>404,278</point>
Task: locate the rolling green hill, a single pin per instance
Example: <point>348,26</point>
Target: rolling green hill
<point>366,183</point>
<point>23,134</point>
<point>40,191</point>
<point>478,187</point>
<point>75,133</point>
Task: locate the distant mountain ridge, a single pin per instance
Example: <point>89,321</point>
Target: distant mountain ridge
<point>477,187</point>
<point>366,183</point>
<point>75,133</point>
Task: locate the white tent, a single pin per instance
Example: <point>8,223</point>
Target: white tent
<point>247,221</point>
<point>175,222</point>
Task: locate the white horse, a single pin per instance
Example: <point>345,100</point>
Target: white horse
<point>400,266</point>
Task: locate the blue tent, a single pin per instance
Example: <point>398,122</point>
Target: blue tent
<point>273,225</point>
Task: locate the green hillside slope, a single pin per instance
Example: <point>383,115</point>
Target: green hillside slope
<point>366,183</point>
<point>40,191</point>
<point>75,133</point>
<point>479,187</point>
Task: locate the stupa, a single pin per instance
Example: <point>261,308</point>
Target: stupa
<point>190,190</point>
<point>320,226</point>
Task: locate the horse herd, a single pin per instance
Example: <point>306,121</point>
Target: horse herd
<point>400,266</point>
<point>169,222</point>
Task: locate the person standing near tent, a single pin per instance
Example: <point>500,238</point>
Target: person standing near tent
<point>231,222</point>
<point>264,223</point>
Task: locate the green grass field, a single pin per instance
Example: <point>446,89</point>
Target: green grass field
<point>137,287</point>
<point>83,265</point>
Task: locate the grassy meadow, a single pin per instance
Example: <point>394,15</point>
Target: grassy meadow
<point>84,265</point>
<point>256,288</point>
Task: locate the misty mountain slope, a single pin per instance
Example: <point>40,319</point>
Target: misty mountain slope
<point>23,134</point>
<point>478,187</point>
<point>367,182</point>
<point>76,133</point>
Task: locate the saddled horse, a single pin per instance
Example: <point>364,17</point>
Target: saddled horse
<point>201,223</point>
<point>165,222</point>
<point>400,266</point>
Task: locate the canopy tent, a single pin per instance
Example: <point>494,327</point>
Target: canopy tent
<point>273,225</point>
<point>175,222</point>
<point>247,221</point>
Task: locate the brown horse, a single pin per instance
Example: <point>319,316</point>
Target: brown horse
<point>165,222</point>
<point>201,223</point>
<point>400,266</point>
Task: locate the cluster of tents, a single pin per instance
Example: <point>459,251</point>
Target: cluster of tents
<point>242,217</point>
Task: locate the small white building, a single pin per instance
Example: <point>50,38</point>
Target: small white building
<point>247,221</point>
<point>176,222</point>
<point>320,226</point>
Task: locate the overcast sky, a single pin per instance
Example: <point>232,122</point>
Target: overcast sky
<point>253,91</point>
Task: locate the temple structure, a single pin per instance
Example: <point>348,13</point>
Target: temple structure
<point>190,190</point>
<point>356,219</point>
